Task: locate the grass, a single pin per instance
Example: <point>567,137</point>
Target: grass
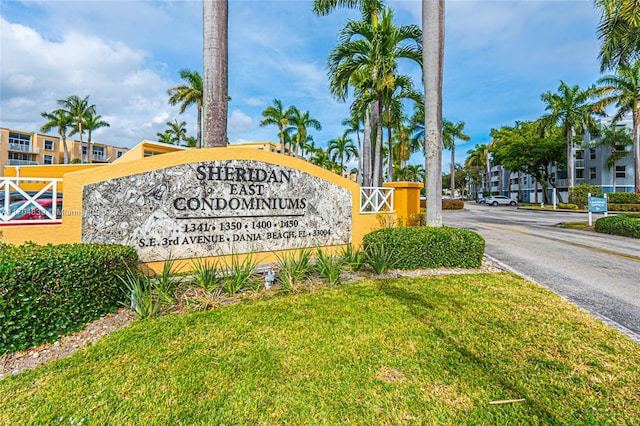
<point>432,350</point>
<point>580,226</point>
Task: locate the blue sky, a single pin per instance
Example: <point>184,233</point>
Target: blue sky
<point>499,57</point>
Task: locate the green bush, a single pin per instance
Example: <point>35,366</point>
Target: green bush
<point>625,226</point>
<point>623,207</point>
<point>426,247</point>
<point>623,197</point>
<point>452,204</point>
<point>46,291</point>
<point>579,194</point>
<point>567,206</point>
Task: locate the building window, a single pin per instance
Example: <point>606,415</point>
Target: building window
<point>84,150</point>
<point>19,156</point>
<point>119,154</point>
<point>592,172</point>
<point>592,153</point>
<point>19,142</point>
<point>579,173</point>
<point>48,159</point>
<point>48,145</point>
<point>579,155</point>
<point>621,172</point>
<point>621,148</point>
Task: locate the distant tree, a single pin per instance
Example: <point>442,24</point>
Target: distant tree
<point>451,132</point>
<point>614,138</point>
<point>79,109</point>
<point>301,122</point>
<point>62,121</point>
<point>165,137</point>
<point>530,148</point>
<point>187,94</point>
<point>177,130</point>
<point>573,109</point>
<point>276,115</point>
<point>341,149</point>
<point>623,89</point>
<point>91,123</point>
<point>191,141</point>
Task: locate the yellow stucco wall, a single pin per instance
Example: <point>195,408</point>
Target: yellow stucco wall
<point>71,228</point>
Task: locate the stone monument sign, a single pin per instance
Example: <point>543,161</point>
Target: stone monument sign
<point>216,207</point>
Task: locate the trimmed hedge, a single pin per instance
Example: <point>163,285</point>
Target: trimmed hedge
<point>452,204</point>
<point>567,206</point>
<point>46,291</point>
<point>625,226</point>
<point>623,197</point>
<point>427,247</point>
<point>615,207</point>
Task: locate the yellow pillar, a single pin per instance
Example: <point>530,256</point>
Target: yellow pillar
<point>406,199</point>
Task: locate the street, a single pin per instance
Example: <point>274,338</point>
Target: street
<point>600,273</point>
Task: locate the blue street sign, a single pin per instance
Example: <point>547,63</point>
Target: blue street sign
<point>597,204</point>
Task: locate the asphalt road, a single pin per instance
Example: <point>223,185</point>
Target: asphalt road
<point>600,273</point>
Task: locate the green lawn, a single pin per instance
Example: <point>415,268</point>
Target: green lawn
<point>433,350</point>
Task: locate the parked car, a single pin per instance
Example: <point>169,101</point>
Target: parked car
<point>495,200</point>
<point>31,211</point>
<point>481,200</point>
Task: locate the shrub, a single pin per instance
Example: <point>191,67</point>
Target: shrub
<point>623,207</point>
<point>50,290</point>
<point>294,268</point>
<point>329,267</point>
<point>625,226</point>
<point>623,198</point>
<point>425,247</point>
<point>567,206</point>
<point>452,204</point>
<point>578,194</point>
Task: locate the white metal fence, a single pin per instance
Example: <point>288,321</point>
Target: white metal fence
<point>374,200</point>
<point>20,206</point>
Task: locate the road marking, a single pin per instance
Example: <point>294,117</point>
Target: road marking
<point>584,246</point>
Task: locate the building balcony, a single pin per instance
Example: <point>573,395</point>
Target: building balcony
<point>13,162</point>
<point>99,157</point>
<point>579,164</point>
<point>24,148</point>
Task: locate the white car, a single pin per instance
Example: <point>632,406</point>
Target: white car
<point>494,200</point>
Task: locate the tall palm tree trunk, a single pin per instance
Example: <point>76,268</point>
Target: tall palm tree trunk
<point>453,170</point>
<point>215,78</point>
<point>570,157</point>
<point>432,59</point>
<point>199,129</point>
<point>376,143</point>
<point>390,154</point>
<point>367,151</point>
<point>636,149</point>
<point>89,153</point>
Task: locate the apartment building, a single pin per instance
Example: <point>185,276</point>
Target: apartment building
<point>590,167</point>
<point>19,148</point>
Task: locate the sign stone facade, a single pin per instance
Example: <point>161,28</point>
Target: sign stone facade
<point>216,208</point>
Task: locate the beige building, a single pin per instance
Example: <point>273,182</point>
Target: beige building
<point>18,148</point>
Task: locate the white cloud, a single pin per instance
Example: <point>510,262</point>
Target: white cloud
<point>239,122</point>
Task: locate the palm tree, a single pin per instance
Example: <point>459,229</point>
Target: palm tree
<point>79,109</point>
<point>91,123</point>
<point>372,50</point>
<point>177,131</point>
<point>62,121</point>
<point>187,94</point>
<point>190,141</point>
<point>619,30</point>
<point>432,63</point>
<point>165,137</point>
<point>276,114</point>
<point>451,132</point>
<point>624,90</point>
<point>301,121</point>
<point>614,137</point>
<point>478,159</point>
<point>343,149</point>
<point>572,109</point>
<point>215,82</point>
<point>402,148</point>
